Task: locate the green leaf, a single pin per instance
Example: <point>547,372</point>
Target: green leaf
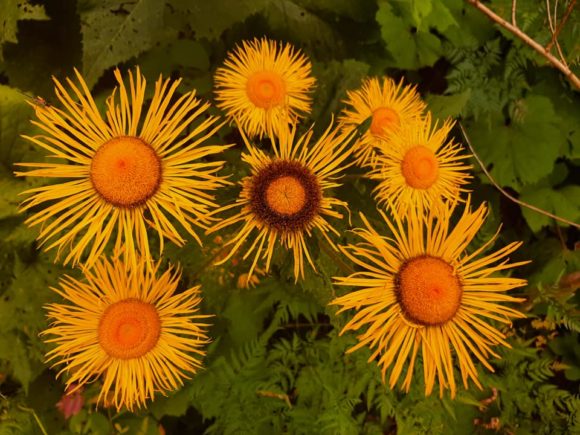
<point>22,317</point>
<point>209,19</point>
<point>174,405</point>
<point>420,9</point>
<point>15,114</point>
<point>14,351</point>
<point>562,202</point>
<point>98,424</point>
<point>411,47</point>
<point>441,17</point>
<point>567,104</point>
<point>185,58</point>
<point>114,32</point>
<point>334,79</point>
<point>361,10</point>
<point>9,199</point>
<point>246,311</point>
<point>297,23</point>
<point>444,106</point>
<point>12,12</point>
<point>525,151</point>
<point>553,262</point>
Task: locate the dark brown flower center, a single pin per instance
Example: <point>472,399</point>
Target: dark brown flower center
<point>285,195</point>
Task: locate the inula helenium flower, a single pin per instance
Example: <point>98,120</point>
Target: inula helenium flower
<point>422,290</point>
<point>285,198</point>
<point>264,84</point>
<point>388,105</point>
<point>420,168</point>
<point>129,327</point>
<point>133,171</point>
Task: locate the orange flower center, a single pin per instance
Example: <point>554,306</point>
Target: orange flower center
<point>420,167</point>
<point>384,119</point>
<point>286,195</point>
<point>428,290</point>
<point>126,171</point>
<point>129,329</point>
<point>266,89</point>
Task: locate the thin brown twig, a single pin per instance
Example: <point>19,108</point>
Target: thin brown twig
<point>507,194</point>
<point>561,237</point>
<point>574,79</point>
<point>560,25</point>
<point>514,7</point>
<point>272,395</point>
<point>334,256</point>
<point>38,422</point>
<point>552,23</point>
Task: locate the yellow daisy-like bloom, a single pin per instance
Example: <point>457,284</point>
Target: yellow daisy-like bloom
<point>421,291</point>
<point>420,169</point>
<point>128,172</point>
<point>264,84</point>
<point>388,106</point>
<point>127,326</point>
<point>284,197</point>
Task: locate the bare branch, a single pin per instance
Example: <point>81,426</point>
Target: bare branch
<point>507,194</point>
<point>514,7</point>
<point>529,41</point>
<point>272,395</point>
<point>556,33</point>
<point>552,25</point>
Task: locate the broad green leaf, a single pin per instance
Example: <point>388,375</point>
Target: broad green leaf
<point>9,199</point>
<point>98,424</point>
<point>15,114</point>
<point>567,105</point>
<point>246,314</point>
<point>410,46</point>
<point>209,19</point>
<point>441,17</point>
<point>185,58</point>
<point>444,106</point>
<point>174,405</point>
<point>13,349</point>
<point>525,151</point>
<point>11,12</point>
<point>296,23</point>
<point>114,32</point>
<point>563,202</point>
<point>420,9</point>
<point>334,79</point>
<point>22,317</point>
<point>361,10</point>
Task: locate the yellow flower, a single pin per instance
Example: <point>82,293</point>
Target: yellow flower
<point>420,169</point>
<point>264,84</point>
<point>387,106</point>
<point>126,326</point>
<point>133,170</point>
<point>422,291</point>
<point>285,198</point>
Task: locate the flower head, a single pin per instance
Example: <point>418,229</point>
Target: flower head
<point>133,170</point>
<point>264,84</point>
<point>421,291</point>
<point>420,169</point>
<point>285,197</point>
<point>128,327</point>
<point>388,106</point>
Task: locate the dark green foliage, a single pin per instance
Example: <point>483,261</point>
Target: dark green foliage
<point>277,363</point>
